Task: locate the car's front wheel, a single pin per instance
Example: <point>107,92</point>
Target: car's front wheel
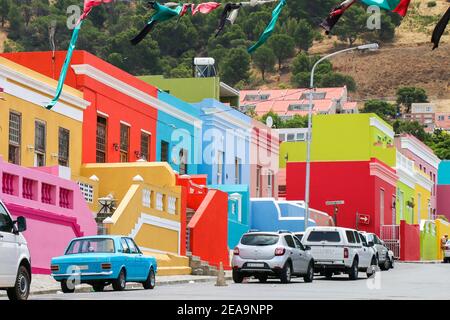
<point>237,276</point>
<point>286,273</point>
<point>151,280</point>
<point>21,288</point>
<point>120,283</point>
<point>309,277</point>
<point>372,269</point>
<point>67,287</point>
<point>387,263</point>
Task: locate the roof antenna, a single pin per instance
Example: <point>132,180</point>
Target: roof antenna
<point>51,34</point>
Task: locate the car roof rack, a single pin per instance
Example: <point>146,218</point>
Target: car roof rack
<point>284,231</point>
<point>252,230</point>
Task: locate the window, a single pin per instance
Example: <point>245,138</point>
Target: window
<point>258,181</point>
<point>419,207</point>
<point>259,239</point>
<point>350,236</point>
<point>328,236</point>
<point>282,137</point>
<point>15,132</point>
<point>124,244</point>
<point>39,143</point>
<point>63,147</point>
<point>237,170</point>
<point>164,151</point>
<point>363,240</point>
<point>382,207</point>
<point>124,142</point>
<point>299,107</point>
<point>289,241</point>
<point>300,136</point>
<point>290,137</point>
<point>257,97</point>
<point>145,146</point>
<point>133,247</point>
<point>357,237</point>
<point>298,243</point>
<point>5,220</point>
<point>220,163</point>
<point>91,245</point>
<point>441,118</point>
<point>270,183</point>
<point>315,95</point>
<point>101,140</point>
<point>183,161</point>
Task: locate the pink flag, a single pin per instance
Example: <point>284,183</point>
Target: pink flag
<point>88,5</point>
<point>206,7</point>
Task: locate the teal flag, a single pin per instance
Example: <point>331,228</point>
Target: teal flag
<point>65,67</point>
<point>270,27</point>
<point>384,4</point>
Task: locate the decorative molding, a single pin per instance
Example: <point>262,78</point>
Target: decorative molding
<point>406,177</point>
<point>380,125</point>
<point>103,114</point>
<point>420,151</point>
<point>423,181</point>
<point>380,171</point>
<point>96,74</point>
<point>125,123</point>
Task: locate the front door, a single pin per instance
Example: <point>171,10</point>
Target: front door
<point>304,259</point>
<point>8,250</point>
<point>293,253</point>
<point>140,262</point>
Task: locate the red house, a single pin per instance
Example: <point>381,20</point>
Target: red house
<point>121,116</point>
<point>368,188</point>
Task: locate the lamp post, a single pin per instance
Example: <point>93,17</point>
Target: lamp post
<point>371,47</point>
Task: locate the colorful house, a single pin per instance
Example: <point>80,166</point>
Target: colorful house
<point>443,189</point>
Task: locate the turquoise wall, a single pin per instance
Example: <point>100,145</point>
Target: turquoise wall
<point>444,172</point>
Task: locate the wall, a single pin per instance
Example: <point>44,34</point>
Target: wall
<point>271,215</point>
<point>408,195</point>
<point>409,242</point>
<point>344,137</point>
<point>209,226</point>
<point>428,240</point>
<point>424,209</point>
<point>442,227</point>
<point>444,173</point>
<point>352,181</point>
<point>443,205</point>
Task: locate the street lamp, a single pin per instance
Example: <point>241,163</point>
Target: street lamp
<point>370,47</point>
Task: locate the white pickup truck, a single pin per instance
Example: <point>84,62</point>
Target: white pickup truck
<point>15,263</point>
<point>339,250</point>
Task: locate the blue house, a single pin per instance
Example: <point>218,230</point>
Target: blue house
<point>179,130</point>
<point>226,143</point>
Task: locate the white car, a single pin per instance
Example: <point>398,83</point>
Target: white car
<point>447,252</point>
<point>382,251</point>
<point>339,250</point>
<point>15,263</point>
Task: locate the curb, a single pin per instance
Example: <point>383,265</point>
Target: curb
<point>422,262</point>
<point>86,288</point>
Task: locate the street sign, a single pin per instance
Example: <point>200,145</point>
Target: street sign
<point>334,203</point>
<point>364,218</point>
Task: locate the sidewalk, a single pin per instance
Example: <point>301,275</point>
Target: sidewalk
<point>45,284</point>
<point>421,261</point>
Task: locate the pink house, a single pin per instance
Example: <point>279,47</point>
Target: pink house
<point>264,154</point>
<point>442,120</point>
<point>54,207</point>
<point>424,160</point>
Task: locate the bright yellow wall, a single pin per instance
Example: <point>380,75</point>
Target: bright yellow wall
<point>425,197</point>
<point>442,228</point>
<point>160,238</point>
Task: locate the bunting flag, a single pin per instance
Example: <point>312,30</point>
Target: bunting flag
<point>205,7</point>
<point>402,7</point>
<point>65,67</point>
<point>399,6</point>
<point>270,27</point>
<point>88,5</point>
<point>335,14</point>
<point>440,28</point>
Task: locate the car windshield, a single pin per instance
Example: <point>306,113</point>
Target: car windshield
<point>299,236</point>
<point>329,236</point>
<point>259,239</point>
<point>91,246</point>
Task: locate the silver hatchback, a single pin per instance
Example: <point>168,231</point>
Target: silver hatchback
<point>272,254</point>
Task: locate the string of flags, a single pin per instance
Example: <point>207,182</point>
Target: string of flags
<point>169,10</point>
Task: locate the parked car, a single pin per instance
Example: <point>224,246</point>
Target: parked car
<point>103,260</point>
<point>390,254</point>
<point>299,235</point>
<point>447,252</point>
<point>382,251</point>
<point>15,261</point>
<point>275,254</point>
<point>339,250</point>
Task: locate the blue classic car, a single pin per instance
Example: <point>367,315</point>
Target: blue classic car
<point>103,260</point>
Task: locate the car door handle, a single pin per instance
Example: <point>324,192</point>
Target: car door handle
<point>1,236</point>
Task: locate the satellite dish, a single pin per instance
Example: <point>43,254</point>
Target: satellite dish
<point>269,121</point>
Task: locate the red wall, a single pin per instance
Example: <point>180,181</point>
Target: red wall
<point>347,180</point>
<point>209,229</point>
<point>119,106</point>
<point>409,241</point>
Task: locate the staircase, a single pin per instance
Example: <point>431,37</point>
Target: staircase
<point>189,214</point>
<point>170,264</point>
<point>201,268</point>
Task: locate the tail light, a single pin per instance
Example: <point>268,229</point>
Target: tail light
<point>345,253</point>
<point>280,251</point>
<point>236,251</point>
<point>106,266</point>
<point>54,267</point>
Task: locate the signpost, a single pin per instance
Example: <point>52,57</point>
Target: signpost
<point>335,204</point>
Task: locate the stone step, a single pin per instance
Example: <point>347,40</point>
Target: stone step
<point>173,271</point>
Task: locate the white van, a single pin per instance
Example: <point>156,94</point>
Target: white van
<point>339,250</point>
<point>15,263</point>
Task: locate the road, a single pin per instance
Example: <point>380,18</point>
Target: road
<point>406,281</point>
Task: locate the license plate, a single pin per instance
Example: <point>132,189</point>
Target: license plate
<point>255,265</point>
<point>83,267</point>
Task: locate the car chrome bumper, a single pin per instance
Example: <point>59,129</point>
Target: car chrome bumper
<point>85,274</point>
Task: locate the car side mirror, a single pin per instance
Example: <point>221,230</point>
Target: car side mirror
<point>371,244</point>
<point>21,224</point>
<point>307,248</point>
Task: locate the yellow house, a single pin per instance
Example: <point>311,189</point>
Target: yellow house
<point>422,197</point>
<point>148,208</point>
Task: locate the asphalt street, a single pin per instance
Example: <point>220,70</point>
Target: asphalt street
<point>406,281</point>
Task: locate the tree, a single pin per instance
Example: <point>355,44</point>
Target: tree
<point>16,23</point>
<point>297,121</point>
<point>411,127</point>
<point>304,35</point>
<point>236,66</point>
<point>4,10</point>
<point>383,109</point>
<point>352,25</point>
<point>277,122</point>
<point>440,143</point>
<point>283,47</point>
<point>406,96</point>
<point>264,60</point>
<point>336,79</point>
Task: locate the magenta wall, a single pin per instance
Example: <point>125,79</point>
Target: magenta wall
<point>443,200</point>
